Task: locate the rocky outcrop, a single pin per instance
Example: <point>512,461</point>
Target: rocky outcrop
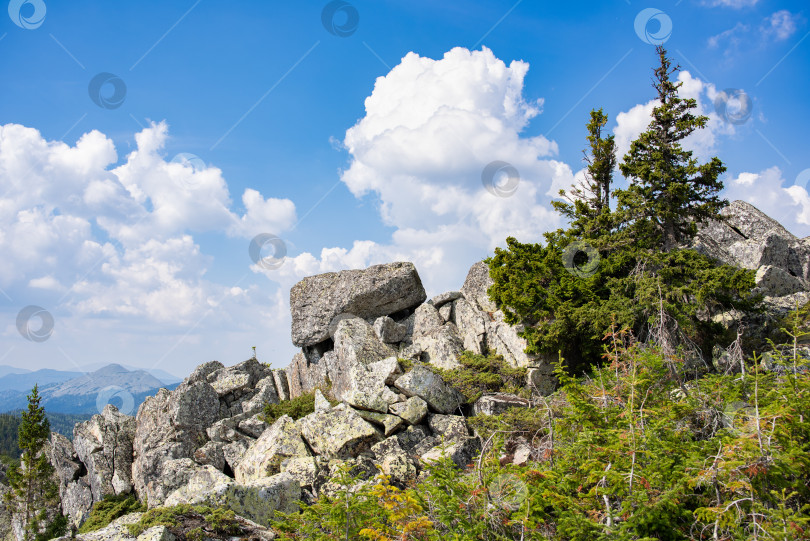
<point>370,293</point>
<point>104,444</point>
<point>750,239</point>
<point>74,486</point>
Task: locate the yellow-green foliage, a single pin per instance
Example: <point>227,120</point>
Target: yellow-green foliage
<point>481,374</point>
<point>109,509</point>
<point>184,521</point>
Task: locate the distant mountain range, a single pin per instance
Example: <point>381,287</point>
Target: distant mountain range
<point>82,392</point>
<point>23,380</point>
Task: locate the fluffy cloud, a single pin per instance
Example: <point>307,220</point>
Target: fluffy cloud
<point>430,129</point>
<point>94,242</point>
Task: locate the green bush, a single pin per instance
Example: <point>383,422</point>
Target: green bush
<point>184,521</point>
<point>298,407</point>
<point>109,509</point>
<point>481,374</point>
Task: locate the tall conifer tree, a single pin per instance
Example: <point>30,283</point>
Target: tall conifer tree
<point>34,494</point>
<point>670,193</point>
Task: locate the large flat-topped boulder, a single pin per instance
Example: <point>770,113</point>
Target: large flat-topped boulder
<point>376,291</point>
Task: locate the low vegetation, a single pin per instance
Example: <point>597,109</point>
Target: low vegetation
<point>193,522</point>
<point>627,452</point>
<point>479,374</point>
<point>109,509</point>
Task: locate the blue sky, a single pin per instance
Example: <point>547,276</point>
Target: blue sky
<point>352,149</point>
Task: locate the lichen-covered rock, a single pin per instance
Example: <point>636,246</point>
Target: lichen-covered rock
<point>173,474</point>
<point>426,321</point>
<point>498,403</point>
<point>776,282</point>
<point>379,290</point>
<point>388,423</point>
<point>414,410</point>
<point>282,383</point>
<point>307,373</point>
<point>429,386</point>
<point>394,461</point>
<point>441,347</point>
<point>461,452</point>
<point>74,487</point>
<point>389,331</point>
<point>257,500</point>
<point>253,426</point>
<point>416,439</point>
<point>338,433</point>
<point>201,373</point>
<point>447,313</point>
<point>278,443</point>
<point>211,454</point>
<point>476,285</point>
<point>444,298</point>
<point>471,326</point>
<point>357,343</point>
<point>170,425</point>
<point>104,445</point>
<point>448,427</point>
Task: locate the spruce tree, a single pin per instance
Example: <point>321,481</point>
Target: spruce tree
<point>670,193</point>
<point>635,267</point>
<point>588,203</point>
<point>34,494</point>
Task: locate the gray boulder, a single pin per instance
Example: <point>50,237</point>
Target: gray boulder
<point>278,443</point>
<point>257,500</point>
<point>357,343</point>
<point>307,373</point>
<point>414,410</point>
<point>441,347</point>
<point>379,290</point>
<point>427,385</point>
<point>389,331</point>
<point>498,403</point>
<point>461,452</point>
<point>472,326</point>
<point>426,321</point>
<point>104,444</point>
<point>777,282</point>
<point>476,285</point>
<point>170,425</point>
<point>338,433</point>
<point>448,427</point>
